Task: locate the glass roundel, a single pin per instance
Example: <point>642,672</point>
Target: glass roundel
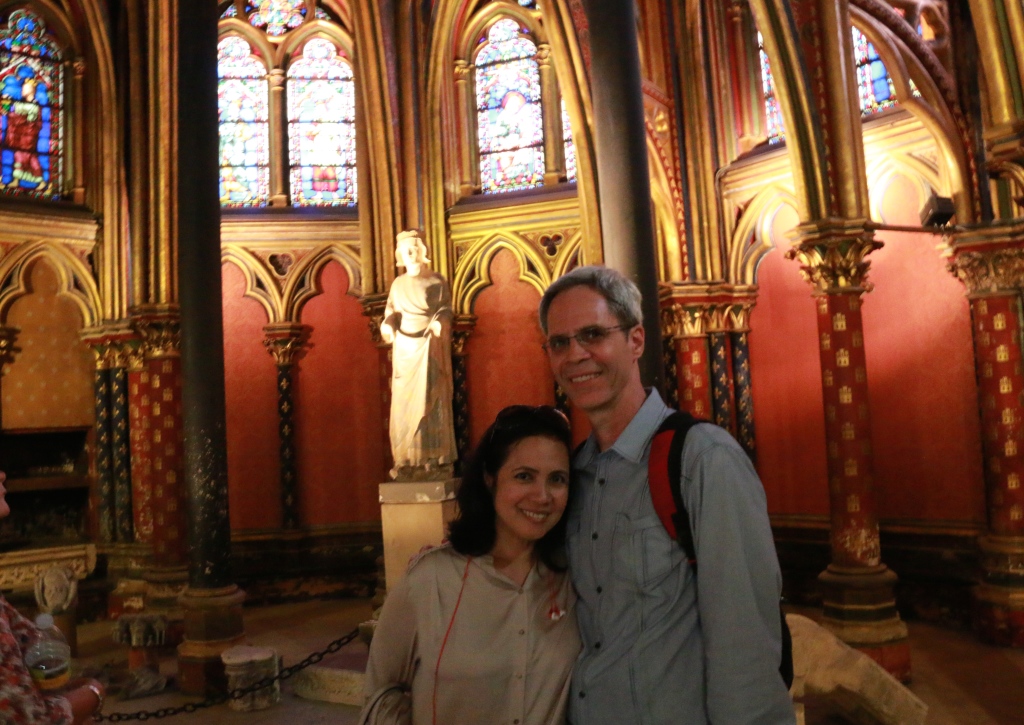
<point>31,108</point>
<point>321,127</point>
<point>510,129</point>
<point>243,111</point>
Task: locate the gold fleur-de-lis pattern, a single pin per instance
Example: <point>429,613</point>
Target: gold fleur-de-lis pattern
<point>848,430</point>
<point>997,348</point>
<point>694,365</point>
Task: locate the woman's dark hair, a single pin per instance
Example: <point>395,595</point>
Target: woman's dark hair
<point>474,532</point>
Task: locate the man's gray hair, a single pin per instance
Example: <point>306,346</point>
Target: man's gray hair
<point>619,291</point>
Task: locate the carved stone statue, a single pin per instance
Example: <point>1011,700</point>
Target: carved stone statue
<point>56,590</point>
<point>417,322</point>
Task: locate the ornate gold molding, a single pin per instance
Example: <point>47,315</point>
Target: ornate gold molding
<point>461,330</point>
<point>693,310</point>
<point>7,347</point>
<point>112,344</point>
<point>988,259</point>
<point>286,342</point>
<point>832,254</point>
<point>159,326</point>
<point>373,308</point>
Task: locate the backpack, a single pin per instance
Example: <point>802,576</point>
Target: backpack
<point>664,475</point>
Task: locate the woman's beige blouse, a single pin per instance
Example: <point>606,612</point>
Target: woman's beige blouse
<point>507,660</point>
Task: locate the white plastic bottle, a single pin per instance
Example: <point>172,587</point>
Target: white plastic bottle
<point>49,659</point>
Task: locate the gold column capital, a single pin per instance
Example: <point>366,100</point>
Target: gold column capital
<point>462,328</point>
<point>7,347</point>
<point>543,54</point>
<point>694,309</point>
<point>988,259</point>
<point>110,343</point>
<point>462,70</point>
<point>832,254</point>
<point>373,308</point>
<point>276,77</point>
<point>287,342</point>
<point>679,320</point>
<point>159,326</point>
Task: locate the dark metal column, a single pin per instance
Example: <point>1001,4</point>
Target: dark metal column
<point>620,143</point>
<point>199,290</point>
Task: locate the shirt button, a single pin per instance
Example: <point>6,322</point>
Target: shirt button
<point>582,695</point>
<point>519,676</point>
<point>522,631</point>
<point>597,645</point>
<point>600,482</point>
<point>594,536</point>
<point>599,590</point>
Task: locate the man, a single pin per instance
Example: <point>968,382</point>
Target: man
<point>660,645</point>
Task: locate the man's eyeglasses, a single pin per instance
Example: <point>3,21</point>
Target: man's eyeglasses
<point>587,337</point>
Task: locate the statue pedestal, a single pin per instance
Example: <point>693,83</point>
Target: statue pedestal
<point>413,515</point>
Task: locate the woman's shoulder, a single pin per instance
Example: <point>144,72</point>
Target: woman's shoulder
<point>434,561</point>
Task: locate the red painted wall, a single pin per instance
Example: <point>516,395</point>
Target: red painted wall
<point>924,400</point>
<point>250,388</point>
<point>923,397</point>
<point>789,417</point>
<point>338,410</point>
<point>505,362</point>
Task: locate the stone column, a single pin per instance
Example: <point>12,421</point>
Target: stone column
<point>105,499</point>
<point>620,145</point>
<point>554,150</point>
<point>722,384</point>
<point>286,342</point>
<point>212,602</point>
<point>990,262</point>
<point>278,139</point>
<point>739,339</point>
<point>462,328</point>
<point>857,588</point>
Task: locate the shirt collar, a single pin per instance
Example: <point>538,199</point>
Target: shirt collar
<point>633,441</point>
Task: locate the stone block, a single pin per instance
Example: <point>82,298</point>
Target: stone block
<point>851,683</point>
<point>244,667</point>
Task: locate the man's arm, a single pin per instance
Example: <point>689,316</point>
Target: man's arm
<point>738,585</point>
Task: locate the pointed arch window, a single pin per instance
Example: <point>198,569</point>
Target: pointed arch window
<point>874,85</point>
<point>243,111</point>
<point>510,123</point>
<point>288,132</point>
<point>772,111</point>
<point>31,108</point>
<point>322,127</point>
<point>570,147</point>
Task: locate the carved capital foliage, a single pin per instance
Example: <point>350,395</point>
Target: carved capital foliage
<point>160,330</point>
<point>832,255</point>
<point>7,347</point>
<point>461,330</point>
<point>543,54</point>
<point>463,70</point>
<point>694,310</point>
<point>678,320</point>
<point>113,344</point>
<point>276,78</point>
<point>286,342</point>
<point>988,259</point>
<point>373,308</point>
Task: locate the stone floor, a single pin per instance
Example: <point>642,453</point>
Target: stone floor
<point>962,681</point>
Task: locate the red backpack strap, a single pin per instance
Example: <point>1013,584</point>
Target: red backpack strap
<point>664,477</point>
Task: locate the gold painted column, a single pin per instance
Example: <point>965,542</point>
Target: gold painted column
<point>857,588</point>
<point>278,139</point>
<point>990,263</point>
<point>287,343</point>
<point>77,152</point>
<point>469,167</point>
<point>554,150</point>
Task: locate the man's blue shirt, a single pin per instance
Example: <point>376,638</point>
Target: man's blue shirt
<point>653,651</point>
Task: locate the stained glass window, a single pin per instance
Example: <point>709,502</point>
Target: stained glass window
<point>321,127</point>
<point>510,128</point>
<point>31,108</point>
<point>231,12</point>
<point>277,17</point>
<point>570,147</point>
<point>244,130</point>
<point>873,82</point>
<point>772,111</point>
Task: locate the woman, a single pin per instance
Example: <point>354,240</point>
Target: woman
<point>20,700</point>
<point>481,629</point>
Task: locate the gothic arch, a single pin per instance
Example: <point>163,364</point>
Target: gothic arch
<point>74,276</point>
<point>474,273</point>
<point>304,283</point>
<point>752,238</point>
<point>258,284</point>
<point>882,171</point>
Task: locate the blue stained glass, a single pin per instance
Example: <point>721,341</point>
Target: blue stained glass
<point>243,110</point>
<point>510,126</point>
<point>773,114</point>
<point>31,108</point>
<point>321,127</point>
<point>875,87</point>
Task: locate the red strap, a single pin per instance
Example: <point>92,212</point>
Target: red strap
<point>657,477</point>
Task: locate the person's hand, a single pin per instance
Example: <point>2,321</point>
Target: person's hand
<point>85,696</point>
<point>435,328</point>
<point>387,332</point>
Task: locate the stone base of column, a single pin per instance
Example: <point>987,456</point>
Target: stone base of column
<point>413,515</point>
<point>999,600</point>
<point>213,623</point>
<point>860,609</point>
<point>164,587</point>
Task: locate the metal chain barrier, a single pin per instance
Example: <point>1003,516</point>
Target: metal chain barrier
<point>236,694</point>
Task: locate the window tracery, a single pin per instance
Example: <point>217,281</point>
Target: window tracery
<point>31,108</point>
<point>295,144</point>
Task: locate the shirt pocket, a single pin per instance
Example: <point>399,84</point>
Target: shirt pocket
<point>642,551</point>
